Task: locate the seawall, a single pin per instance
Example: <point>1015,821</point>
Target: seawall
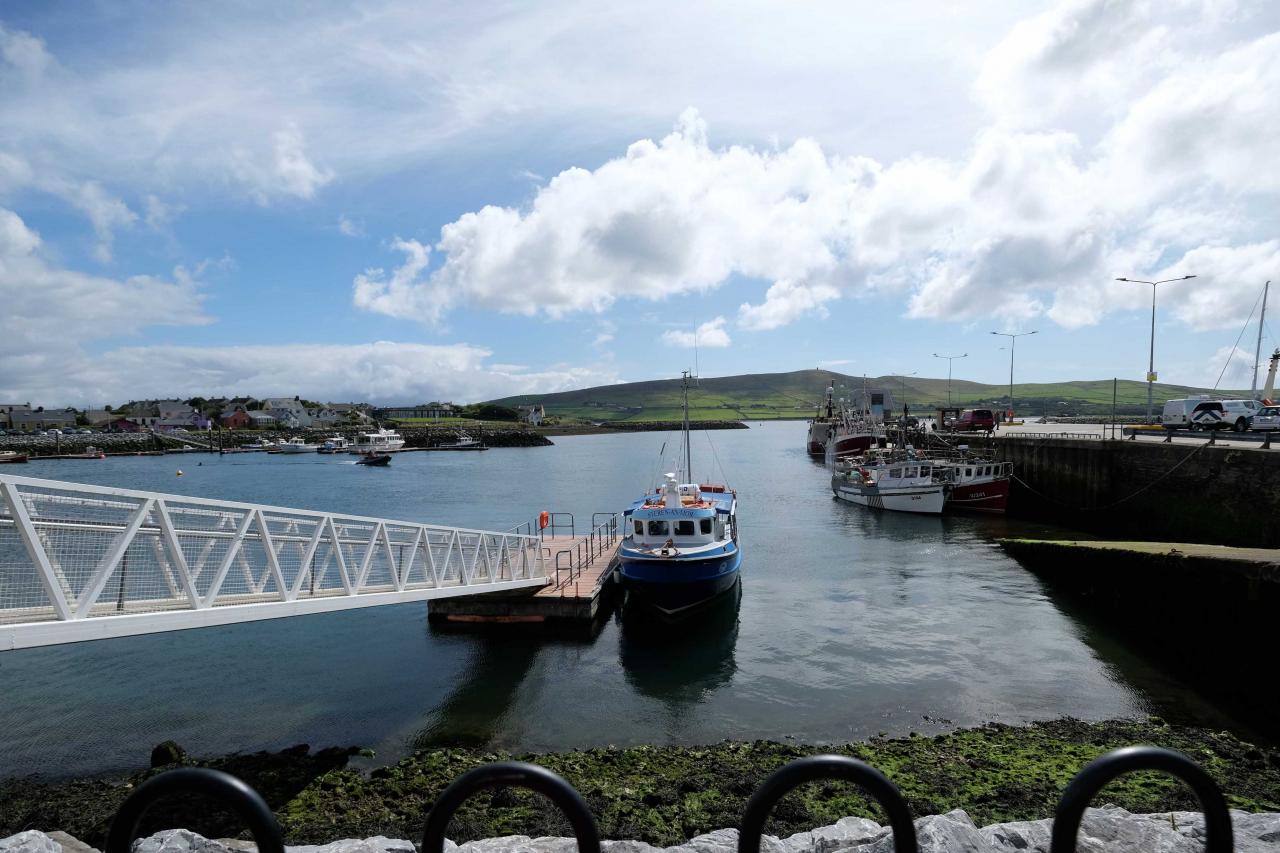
<point>1149,490</point>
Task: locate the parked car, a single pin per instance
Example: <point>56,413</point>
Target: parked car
<point>974,420</point>
<point>86,432</point>
<point>1238,413</point>
<point>1267,419</point>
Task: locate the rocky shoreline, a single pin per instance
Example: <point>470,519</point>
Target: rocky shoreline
<point>666,796</point>
<point>1111,828</point>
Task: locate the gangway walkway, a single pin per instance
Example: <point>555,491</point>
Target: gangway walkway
<point>82,562</point>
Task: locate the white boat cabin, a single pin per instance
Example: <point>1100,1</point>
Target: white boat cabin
<point>683,514</point>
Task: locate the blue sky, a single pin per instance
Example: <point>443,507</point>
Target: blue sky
<point>409,201</point>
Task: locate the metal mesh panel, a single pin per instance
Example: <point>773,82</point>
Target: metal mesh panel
<point>105,553</point>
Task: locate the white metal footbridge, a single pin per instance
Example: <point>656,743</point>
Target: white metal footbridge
<point>84,562</point>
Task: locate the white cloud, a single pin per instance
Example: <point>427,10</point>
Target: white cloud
<point>50,311</point>
<point>349,228</point>
<point>381,372</point>
<point>1231,367</point>
<point>784,303</point>
<point>709,334</point>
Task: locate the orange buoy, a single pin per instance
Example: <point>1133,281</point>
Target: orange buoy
<point>543,520</point>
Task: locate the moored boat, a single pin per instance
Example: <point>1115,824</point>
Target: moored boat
<point>680,542</point>
<point>902,485</point>
<point>89,452</point>
<point>12,456</point>
<point>379,441</point>
<point>462,442</point>
<point>823,425</point>
<point>334,444</point>
<point>297,445</point>
<point>977,485</point>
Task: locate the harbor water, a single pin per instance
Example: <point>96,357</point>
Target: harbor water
<point>848,623</point>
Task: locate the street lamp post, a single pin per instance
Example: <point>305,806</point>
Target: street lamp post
<point>1013,343</point>
<point>949,358</point>
<point>1151,363</point>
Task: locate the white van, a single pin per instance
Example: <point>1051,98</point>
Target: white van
<point>1239,413</point>
<point>1177,413</point>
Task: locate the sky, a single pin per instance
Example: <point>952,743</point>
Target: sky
<point>410,201</point>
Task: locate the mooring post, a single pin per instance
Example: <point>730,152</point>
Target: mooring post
<point>1266,440</point>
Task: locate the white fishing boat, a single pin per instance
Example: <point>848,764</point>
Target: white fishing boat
<point>335,444</point>
<point>378,441</point>
<point>297,445</point>
<point>902,485</point>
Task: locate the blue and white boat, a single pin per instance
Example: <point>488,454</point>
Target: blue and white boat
<point>680,545</point>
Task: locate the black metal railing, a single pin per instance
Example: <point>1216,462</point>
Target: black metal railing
<point>1070,812</point>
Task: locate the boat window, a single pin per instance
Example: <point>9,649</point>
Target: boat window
<point>986,470</point>
<point>895,472</point>
<point>705,525</point>
<point>684,527</point>
<point>639,527</point>
<point>657,528</point>
<point>924,472</point>
<point>968,472</point>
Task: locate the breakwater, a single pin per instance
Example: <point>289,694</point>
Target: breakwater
<point>669,795</point>
<point>1148,490</point>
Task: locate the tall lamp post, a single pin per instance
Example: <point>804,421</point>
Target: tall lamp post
<point>1151,363</point>
<point>949,358</point>
<point>1013,343</point>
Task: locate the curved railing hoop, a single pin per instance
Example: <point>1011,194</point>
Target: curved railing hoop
<point>521,775</point>
<point>215,784</point>
<point>818,767</point>
<point>1097,773</point>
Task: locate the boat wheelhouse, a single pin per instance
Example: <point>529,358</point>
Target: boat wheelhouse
<point>378,441</point>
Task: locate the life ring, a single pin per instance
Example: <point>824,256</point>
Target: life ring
<point>544,518</point>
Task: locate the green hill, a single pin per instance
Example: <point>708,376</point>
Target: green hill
<point>766,396</point>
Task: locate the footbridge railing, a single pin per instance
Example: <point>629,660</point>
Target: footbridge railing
<point>82,562</point>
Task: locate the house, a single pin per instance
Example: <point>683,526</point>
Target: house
<point>7,409</point>
<point>235,419</point>
<point>289,418</point>
<point>122,425</point>
<point>98,417</point>
<point>40,420</point>
<point>261,419</point>
<point>351,412</point>
<point>422,412</point>
<point>193,420</point>
<point>323,417</point>
<point>533,415</point>
<point>149,413</point>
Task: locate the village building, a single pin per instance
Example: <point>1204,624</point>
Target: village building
<point>533,415</point>
<point>38,420</point>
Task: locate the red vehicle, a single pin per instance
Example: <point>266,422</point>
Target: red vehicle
<point>967,420</point>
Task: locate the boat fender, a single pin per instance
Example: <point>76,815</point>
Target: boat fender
<point>544,518</point>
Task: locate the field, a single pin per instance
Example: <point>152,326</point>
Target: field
<point>774,396</point>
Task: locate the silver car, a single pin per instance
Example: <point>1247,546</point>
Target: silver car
<point>1267,418</point>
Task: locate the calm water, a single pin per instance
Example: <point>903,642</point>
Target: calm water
<point>849,623</point>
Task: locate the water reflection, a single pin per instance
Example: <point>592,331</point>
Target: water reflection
<point>483,695</point>
<point>680,661</point>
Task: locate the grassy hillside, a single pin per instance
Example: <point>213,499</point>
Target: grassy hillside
<point>766,396</point>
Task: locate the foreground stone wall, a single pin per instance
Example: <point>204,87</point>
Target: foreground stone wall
<point>1110,828</point>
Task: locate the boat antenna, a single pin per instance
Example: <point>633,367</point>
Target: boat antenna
<point>688,459</point>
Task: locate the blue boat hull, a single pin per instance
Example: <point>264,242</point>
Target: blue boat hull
<point>675,585</point>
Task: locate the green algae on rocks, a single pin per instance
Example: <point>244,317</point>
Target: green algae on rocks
<point>666,795</point>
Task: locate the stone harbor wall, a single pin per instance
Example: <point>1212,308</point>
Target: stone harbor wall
<point>1110,829</point>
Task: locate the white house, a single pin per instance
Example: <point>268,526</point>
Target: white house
<point>533,415</point>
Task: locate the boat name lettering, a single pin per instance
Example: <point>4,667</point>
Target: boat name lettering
<point>662,512</point>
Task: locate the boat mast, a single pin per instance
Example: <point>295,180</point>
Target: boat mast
<point>1257,353</point>
<point>688,460</point>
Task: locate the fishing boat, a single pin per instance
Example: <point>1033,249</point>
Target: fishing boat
<point>823,425</point>
<point>379,441</point>
<point>462,442</point>
<point>373,458</point>
<point>902,484</point>
<point>297,445</point>
<point>334,444</point>
<point>680,542</point>
<point>976,485</point>
<point>12,456</point>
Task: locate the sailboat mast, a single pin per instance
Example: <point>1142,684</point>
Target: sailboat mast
<point>688,460</point>
<point>1257,353</point>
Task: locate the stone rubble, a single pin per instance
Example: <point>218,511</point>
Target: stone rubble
<point>1106,830</point>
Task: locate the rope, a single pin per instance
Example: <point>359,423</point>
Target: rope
<point>1236,345</point>
<point>1127,497</point>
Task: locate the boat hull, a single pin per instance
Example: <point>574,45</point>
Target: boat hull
<point>677,585</point>
<point>924,500</point>
<point>990,497</point>
<point>850,445</point>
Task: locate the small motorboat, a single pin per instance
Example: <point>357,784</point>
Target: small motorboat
<point>336,444</point>
<point>297,445</point>
<point>462,442</point>
<point>373,458</point>
<point>89,452</point>
<point>12,456</point>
